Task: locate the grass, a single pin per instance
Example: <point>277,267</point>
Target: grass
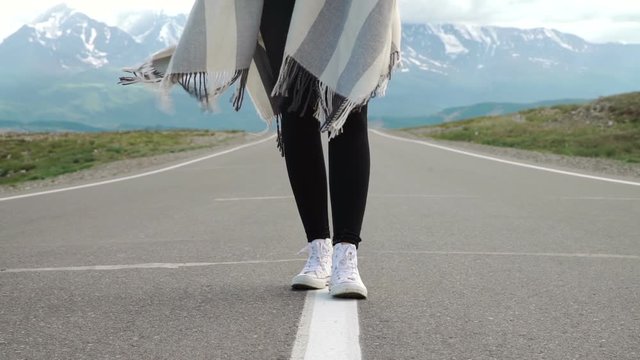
<point>37,156</point>
<point>606,128</point>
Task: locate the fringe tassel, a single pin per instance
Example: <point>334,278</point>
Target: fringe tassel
<point>394,62</point>
<point>338,118</point>
<point>280,142</point>
<point>144,74</point>
<point>296,81</point>
<point>293,80</point>
<point>205,87</point>
<point>238,97</point>
<point>331,109</point>
<point>151,71</point>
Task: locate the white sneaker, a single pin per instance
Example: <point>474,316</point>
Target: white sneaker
<point>345,278</point>
<point>317,270</point>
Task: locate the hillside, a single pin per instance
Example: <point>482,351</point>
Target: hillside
<point>608,127</point>
<point>470,112</point>
<point>27,157</point>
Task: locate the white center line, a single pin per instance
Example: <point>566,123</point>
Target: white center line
<point>329,329</point>
<point>302,336</point>
<point>426,143</point>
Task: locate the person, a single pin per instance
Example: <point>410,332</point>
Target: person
<point>316,65</point>
<point>349,169</point>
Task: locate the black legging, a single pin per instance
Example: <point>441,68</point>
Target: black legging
<point>349,158</point>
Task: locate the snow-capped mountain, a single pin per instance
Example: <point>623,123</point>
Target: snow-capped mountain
<point>64,39</point>
<point>447,48</point>
<point>445,65</point>
<point>450,65</point>
<point>154,30</point>
<point>71,40</point>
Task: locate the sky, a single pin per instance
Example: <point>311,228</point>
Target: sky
<point>594,20</point>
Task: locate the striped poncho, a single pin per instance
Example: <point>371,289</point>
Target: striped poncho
<point>343,50</point>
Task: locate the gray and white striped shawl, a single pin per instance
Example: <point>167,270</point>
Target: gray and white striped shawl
<point>345,50</point>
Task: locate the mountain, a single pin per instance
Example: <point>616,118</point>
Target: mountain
<point>64,66</point>
<point>451,65</point>
<point>62,40</point>
<point>46,126</point>
<point>153,30</point>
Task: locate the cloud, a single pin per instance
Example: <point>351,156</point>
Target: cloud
<point>614,20</point>
<point>596,20</point>
<point>482,11</point>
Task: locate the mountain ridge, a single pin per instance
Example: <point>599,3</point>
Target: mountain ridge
<point>69,64</point>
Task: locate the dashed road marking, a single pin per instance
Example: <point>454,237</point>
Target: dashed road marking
<point>254,198</point>
<point>145,266</point>
<point>599,198</point>
<point>491,253</point>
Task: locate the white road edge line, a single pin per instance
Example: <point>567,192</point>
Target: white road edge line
<point>426,143</point>
<point>145,266</point>
<point>138,175</point>
<point>329,329</point>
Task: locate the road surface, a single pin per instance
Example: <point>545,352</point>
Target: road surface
<point>464,258</point>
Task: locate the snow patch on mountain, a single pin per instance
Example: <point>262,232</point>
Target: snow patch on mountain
<point>48,25</point>
<point>422,62</point>
<point>451,43</point>
<point>170,33</point>
<point>153,29</point>
<point>545,63</point>
<point>554,36</point>
<point>92,56</point>
<point>484,35</point>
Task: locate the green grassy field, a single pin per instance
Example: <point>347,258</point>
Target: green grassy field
<point>36,156</point>
<point>606,128</point>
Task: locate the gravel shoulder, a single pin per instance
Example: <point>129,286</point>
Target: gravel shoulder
<point>130,167</point>
<point>590,166</point>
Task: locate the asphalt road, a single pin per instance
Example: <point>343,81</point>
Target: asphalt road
<point>464,258</point>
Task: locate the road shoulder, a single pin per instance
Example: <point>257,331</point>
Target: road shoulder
<point>127,167</point>
<point>590,166</point>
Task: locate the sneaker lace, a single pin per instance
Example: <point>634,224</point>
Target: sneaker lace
<point>347,267</point>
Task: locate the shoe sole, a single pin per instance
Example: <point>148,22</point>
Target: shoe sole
<point>306,282</point>
<point>348,291</point>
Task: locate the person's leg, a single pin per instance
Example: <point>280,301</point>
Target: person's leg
<point>303,157</point>
<point>300,134</point>
<point>349,171</point>
<point>307,172</point>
